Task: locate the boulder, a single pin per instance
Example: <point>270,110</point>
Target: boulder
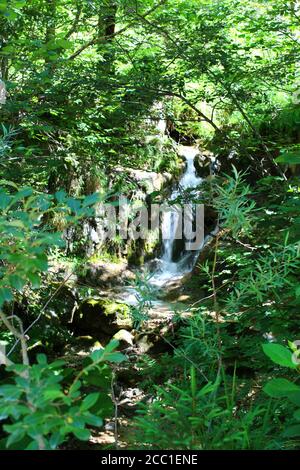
<point>106,274</point>
<point>125,338</point>
<point>101,318</point>
<point>148,181</point>
<point>204,164</point>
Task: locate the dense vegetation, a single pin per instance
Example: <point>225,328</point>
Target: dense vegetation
<point>87,82</point>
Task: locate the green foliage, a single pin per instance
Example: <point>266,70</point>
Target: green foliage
<point>86,83</point>
<point>144,294</point>
<point>290,158</point>
<point>233,204</point>
<point>283,388</point>
<point>199,417</point>
<point>25,239</point>
<point>266,276</point>
<point>279,354</point>
<point>43,404</point>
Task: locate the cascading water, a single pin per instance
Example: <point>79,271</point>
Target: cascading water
<point>174,262</point>
<point>174,265</point>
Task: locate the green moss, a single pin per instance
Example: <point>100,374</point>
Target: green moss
<point>106,257</point>
<point>110,307</point>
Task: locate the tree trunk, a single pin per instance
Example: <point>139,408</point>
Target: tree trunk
<point>106,28</point>
<point>51,26</point>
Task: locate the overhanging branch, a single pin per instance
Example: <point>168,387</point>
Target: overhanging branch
<point>97,40</point>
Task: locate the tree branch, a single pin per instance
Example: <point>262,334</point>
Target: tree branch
<point>75,22</point>
<point>17,334</point>
<point>188,103</point>
<point>96,39</point>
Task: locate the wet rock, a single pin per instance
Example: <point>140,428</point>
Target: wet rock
<point>210,219</point>
<point>174,289</point>
<point>141,251</point>
<point>129,400</point>
<point>178,249</point>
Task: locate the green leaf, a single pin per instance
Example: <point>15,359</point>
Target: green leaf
<point>16,282</point>
<point>297,291</point>
<point>60,196</point>
<point>15,436</point>
<point>279,354</point>
<point>278,388</point>
<point>41,262</point>
<point>93,420</point>
<point>112,345</point>
<point>41,359</point>
<point>294,397</point>
<point>64,43</point>
<point>208,388</point>
<point>73,204</point>
<point>57,364</point>
<point>97,354</point>
<point>89,401</point>
<point>82,434</point>
<point>101,377</point>
<point>34,279</point>
<point>5,295</point>
<point>116,357</point>
<point>297,415</point>
<point>53,394</point>
<point>22,193</point>
<point>55,440</point>
<point>289,158</point>
<point>32,446</point>
<point>91,199</point>
<point>104,406</point>
<point>292,431</point>
<point>8,49</point>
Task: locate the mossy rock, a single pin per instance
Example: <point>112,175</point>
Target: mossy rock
<point>101,318</point>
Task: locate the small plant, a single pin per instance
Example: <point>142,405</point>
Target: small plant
<point>43,404</point>
<point>232,203</point>
<point>26,236</point>
<point>144,294</point>
<point>8,134</point>
<point>200,416</point>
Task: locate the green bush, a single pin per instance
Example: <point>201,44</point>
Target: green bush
<point>42,404</point>
<point>283,388</point>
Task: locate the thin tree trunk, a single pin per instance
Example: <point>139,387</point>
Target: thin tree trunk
<point>51,25</point>
<point>106,30</point>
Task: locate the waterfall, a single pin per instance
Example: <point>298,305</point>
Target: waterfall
<point>173,262</point>
<point>176,261</point>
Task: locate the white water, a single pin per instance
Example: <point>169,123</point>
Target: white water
<point>168,269</point>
